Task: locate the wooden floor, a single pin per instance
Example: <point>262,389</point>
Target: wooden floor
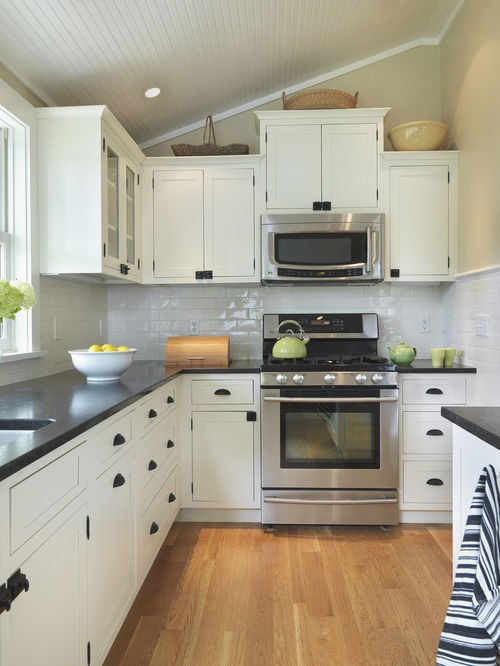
<point>236,595</point>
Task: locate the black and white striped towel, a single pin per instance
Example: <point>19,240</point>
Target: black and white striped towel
<point>471,632</point>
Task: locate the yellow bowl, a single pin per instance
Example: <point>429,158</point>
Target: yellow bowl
<point>418,135</point>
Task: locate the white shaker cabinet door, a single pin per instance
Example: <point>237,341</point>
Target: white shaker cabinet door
<point>419,220</point>
<point>293,162</point>
<point>230,222</point>
<point>47,623</point>
<point>350,158</point>
<point>178,223</point>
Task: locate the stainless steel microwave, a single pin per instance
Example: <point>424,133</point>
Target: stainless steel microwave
<point>322,248</point>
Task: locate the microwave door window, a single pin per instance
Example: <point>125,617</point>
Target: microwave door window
<point>320,249</point>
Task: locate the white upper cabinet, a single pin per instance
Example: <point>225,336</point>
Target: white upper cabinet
<point>421,195</point>
<point>321,160</point>
<point>89,194</point>
<point>201,220</point>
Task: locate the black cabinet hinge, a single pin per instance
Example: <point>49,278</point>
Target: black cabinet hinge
<point>377,193</point>
<point>153,264</point>
<point>153,182</point>
<point>103,145</point>
<point>449,178</point>
<point>376,134</point>
<point>87,528</point>
<point>448,262</point>
<point>104,250</point>
<point>191,424</point>
<point>138,180</point>
<point>266,196</point>
<point>192,487</point>
<point>88,653</point>
<point>138,264</point>
<point>266,136</point>
<point>253,178</point>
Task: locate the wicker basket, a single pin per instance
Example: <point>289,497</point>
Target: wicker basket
<point>320,98</point>
<point>209,146</point>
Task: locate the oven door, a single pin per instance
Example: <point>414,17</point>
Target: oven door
<point>330,438</point>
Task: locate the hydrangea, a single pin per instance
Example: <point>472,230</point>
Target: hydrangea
<point>14,297</point>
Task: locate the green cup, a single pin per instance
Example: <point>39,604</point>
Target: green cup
<point>449,356</point>
<point>437,356</point>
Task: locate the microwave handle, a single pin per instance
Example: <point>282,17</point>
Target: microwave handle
<point>369,258</point>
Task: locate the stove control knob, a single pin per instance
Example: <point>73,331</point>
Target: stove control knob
<point>377,378</point>
<point>360,378</point>
<point>298,379</point>
<point>330,378</point>
<point>281,378</point>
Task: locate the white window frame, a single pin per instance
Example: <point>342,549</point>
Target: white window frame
<point>21,337</point>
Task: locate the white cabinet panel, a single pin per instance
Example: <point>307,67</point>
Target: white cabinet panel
<point>222,392</point>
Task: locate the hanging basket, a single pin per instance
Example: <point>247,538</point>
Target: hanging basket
<point>209,146</point>
<point>320,98</point>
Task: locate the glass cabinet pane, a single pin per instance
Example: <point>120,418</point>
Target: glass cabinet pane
<point>130,187</point>
<point>113,193</point>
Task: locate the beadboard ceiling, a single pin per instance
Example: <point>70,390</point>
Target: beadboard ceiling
<point>208,56</point>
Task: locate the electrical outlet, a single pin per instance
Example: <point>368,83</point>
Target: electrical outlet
<point>194,327</point>
<point>482,325</point>
<point>424,324</point>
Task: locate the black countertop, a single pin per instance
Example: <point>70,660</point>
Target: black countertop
<point>483,422</point>
<point>425,365</point>
<point>76,406</point>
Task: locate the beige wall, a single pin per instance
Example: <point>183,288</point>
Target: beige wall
<point>408,83</point>
<point>470,77</point>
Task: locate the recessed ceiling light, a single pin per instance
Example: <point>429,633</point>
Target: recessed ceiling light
<point>152,92</point>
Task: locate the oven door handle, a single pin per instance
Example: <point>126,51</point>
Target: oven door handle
<point>323,400</point>
<point>284,500</point>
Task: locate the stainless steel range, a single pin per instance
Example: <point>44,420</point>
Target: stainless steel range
<point>329,425</point>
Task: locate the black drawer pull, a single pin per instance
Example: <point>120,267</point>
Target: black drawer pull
<point>118,440</point>
<point>435,432</point>
<point>152,465</point>
<point>222,392</point>
<point>170,444</point>
<point>170,400</point>
<point>118,481</point>
<point>152,414</point>
<point>434,391</point>
<point>171,498</point>
<point>154,528</point>
<point>435,482</point>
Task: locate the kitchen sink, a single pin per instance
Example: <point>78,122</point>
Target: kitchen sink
<point>12,428</point>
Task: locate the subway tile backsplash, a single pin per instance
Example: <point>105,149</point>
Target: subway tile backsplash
<point>144,316</point>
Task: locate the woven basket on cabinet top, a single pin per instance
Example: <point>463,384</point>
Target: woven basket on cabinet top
<point>320,98</point>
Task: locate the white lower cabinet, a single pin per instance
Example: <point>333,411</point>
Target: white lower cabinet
<point>222,464</point>
<point>426,444</point>
<point>46,625</point>
<point>112,582</point>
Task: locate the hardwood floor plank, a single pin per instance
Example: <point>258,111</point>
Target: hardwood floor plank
<point>238,595</point>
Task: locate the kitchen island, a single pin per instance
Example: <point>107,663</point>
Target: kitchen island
<point>476,443</point>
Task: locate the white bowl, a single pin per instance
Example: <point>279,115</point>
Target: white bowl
<point>102,366</point>
<point>418,135</point>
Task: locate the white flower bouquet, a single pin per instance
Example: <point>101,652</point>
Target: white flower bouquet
<point>14,297</point>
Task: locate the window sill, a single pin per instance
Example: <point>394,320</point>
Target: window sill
<point>7,357</point>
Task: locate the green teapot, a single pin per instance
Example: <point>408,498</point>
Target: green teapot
<point>402,354</point>
<point>290,344</point>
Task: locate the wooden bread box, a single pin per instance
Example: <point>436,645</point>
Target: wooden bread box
<point>211,351</point>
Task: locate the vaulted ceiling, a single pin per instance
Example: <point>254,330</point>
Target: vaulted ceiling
<point>208,56</point>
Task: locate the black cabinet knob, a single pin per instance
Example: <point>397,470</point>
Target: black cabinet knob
<point>152,414</point>
<point>327,205</point>
<point>119,480</point>
<point>317,205</point>
<point>152,465</point>
<point>119,439</point>
<point>170,400</point>
<point>16,584</point>
<point>171,498</point>
<point>170,444</point>
<point>154,528</point>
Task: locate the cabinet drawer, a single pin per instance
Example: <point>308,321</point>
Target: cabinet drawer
<point>157,520</point>
<point>110,441</point>
<point>149,411</point>
<point>157,454</point>
<point>439,391</point>
<point>426,432</point>
<point>220,392</point>
<point>421,479</point>
<point>35,500</point>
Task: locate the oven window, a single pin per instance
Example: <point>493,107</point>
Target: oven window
<point>330,435</point>
<point>320,249</point>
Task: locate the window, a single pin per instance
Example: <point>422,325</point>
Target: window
<point>15,222</point>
